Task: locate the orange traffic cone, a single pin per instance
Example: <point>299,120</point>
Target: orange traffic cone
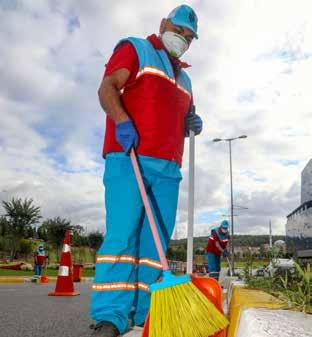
<point>44,279</point>
<point>64,283</point>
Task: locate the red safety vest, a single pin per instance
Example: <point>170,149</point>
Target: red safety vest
<point>156,103</point>
<point>213,239</point>
<point>39,259</point>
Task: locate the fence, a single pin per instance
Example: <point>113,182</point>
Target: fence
<point>180,267</point>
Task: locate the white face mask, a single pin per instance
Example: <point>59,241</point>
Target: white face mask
<point>175,44</point>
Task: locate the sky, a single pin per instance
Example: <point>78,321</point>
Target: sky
<point>251,73</point>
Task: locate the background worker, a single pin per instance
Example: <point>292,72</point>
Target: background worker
<point>39,259</point>
<point>147,97</point>
<point>217,245</point>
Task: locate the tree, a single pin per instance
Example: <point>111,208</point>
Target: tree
<point>78,237</point>
<point>95,240</point>
<point>170,253</point>
<point>21,215</point>
<point>4,226</point>
<point>30,233</point>
<point>42,232</point>
<point>25,248</point>
<point>54,230</point>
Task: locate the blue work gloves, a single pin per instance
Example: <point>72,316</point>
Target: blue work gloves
<point>193,122</point>
<point>126,135</point>
<point>225,253</point>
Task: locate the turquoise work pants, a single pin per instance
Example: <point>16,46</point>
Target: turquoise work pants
<point>214,265</point>
<point>127,262</point>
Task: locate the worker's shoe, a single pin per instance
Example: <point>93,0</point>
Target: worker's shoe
<point>104,329</point>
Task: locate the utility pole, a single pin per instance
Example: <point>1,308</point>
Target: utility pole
<point>229,140</point>
<point>270,233</point>
<point>232,209</point>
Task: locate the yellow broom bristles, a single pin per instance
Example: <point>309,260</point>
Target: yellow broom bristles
<point>183,311</point>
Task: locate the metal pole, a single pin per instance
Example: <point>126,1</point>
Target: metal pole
<point>232,217</point>
<point>190,227</point>
<point>270,231</point>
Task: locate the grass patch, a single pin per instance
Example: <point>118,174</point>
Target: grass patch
<point>8,272</point>
<point>242,264</point>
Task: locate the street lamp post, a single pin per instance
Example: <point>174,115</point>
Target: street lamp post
<point>229,140</point>
<point>232,216</point>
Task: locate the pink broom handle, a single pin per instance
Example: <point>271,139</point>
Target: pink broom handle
<point>148,210</point>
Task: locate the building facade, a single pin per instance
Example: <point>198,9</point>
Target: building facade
<point>299,221</point>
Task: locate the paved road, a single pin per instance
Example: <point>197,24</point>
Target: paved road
<point>26,310</point>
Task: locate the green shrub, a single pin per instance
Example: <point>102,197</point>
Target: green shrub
<point>298,291</point>
<point>295,289</point>
<point>25,247</point>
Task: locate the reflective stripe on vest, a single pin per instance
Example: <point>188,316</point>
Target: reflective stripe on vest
<point>161,73</point>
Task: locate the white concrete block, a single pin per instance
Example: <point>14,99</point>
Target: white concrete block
<point>274,323</point>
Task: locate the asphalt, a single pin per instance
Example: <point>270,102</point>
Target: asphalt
<point>26,310</point>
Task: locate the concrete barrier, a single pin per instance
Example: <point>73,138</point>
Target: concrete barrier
<point>243,298</point>
<point>278,323</point>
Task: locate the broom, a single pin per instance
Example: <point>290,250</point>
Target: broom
<point>178,308</point>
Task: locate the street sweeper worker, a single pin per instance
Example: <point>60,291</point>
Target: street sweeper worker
<point>147,96</point>
<point>39,259</point>
<point>217,245</point>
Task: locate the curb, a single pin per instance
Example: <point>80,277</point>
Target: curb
<point>12,279</point>
<point>243,298</point>
<point>24,279</point>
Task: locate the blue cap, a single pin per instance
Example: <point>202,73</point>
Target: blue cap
<point>184,16</point>
<point>225,224</point>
